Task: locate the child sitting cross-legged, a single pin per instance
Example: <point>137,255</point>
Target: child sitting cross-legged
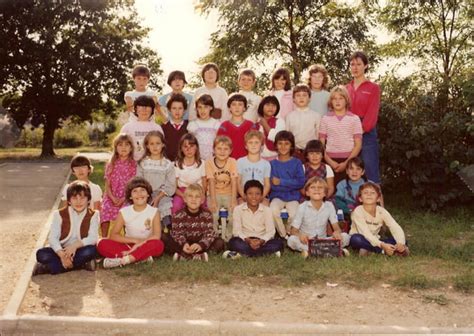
<point>312,218</point>
<point>142,229</point>
<point>368,219</point>
<point>74,233</point>
<point>192,231</point>
<point>253,227</point>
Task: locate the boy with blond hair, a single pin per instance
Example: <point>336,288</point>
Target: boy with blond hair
<point>252,166</point>
<point>302,122</point>
<point>312,218</point>
<point>221,172</point>
<point>192,232</point>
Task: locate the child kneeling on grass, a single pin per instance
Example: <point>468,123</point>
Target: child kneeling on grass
<point>142,229</point>
<point>253,226</point>
<point>312,218</point>
<point>74,233</point>
<point>368,219</point>
<point>192,229</point>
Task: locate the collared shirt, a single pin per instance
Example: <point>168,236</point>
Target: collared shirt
<point>253,224</point>
<point>313,222</point>
<point>76,220</point>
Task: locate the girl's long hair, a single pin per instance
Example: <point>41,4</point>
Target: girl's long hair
<point>191,139</point>
<point>147,140</point>
<point>121,137</point>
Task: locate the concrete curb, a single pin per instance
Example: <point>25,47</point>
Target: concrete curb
<point>60,325</point>
<point>21,287</point>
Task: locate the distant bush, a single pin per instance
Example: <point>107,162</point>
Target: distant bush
<point>71,135</point>
<point>31,138</point>
<point>425,141</point>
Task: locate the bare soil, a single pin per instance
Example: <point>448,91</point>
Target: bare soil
<point>110,294</point>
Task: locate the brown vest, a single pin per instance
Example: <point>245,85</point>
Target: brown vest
<point>66,223</point>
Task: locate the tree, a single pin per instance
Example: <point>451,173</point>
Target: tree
<point>297,32</point>
<point>438,33</point>
<point>67,58</point>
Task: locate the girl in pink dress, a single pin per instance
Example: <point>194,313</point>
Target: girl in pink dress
<point>119,170</point>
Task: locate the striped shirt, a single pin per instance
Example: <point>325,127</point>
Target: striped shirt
<point>340,133</point>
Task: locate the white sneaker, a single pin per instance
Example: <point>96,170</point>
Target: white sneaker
<point>148,260</point>
<point>112,262</point>
<point>176,256</point>
<point>201,256</point>
<point>231,255</point>
<point>277,254</point>
<point>345,252</point>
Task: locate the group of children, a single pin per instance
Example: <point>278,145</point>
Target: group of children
<point>253,157</point>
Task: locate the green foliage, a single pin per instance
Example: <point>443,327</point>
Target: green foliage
<point>266,34</point>
<point>439,33</point>
<point>425,139</point>
<point>71,135</point>
<point>30,137</point>
<point>68,58</point>
<point>417,281</point>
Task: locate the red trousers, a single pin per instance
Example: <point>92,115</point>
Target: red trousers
<point>111,249</point>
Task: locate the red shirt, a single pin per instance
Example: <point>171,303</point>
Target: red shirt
<point>365,103</point>
<point>236,133</point>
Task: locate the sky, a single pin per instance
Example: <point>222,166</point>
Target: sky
<point>181,35</point>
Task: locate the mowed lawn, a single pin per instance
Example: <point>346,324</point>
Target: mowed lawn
<point>442,247</point>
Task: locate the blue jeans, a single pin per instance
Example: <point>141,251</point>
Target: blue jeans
<point>239,245</point>
<point>48,257</point>
<point>370,155</point>
<point>358,242</point>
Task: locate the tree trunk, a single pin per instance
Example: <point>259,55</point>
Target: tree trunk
<point>47,150</point>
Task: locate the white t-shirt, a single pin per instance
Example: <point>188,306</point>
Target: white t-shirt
<point>253,100</point>
<point>219,96</point>
<point>134,95</point>
<point>96,193</point>
<point>190,174</point>
<point>205,132</point>
<point>137,131</point>
<point>138,224</point>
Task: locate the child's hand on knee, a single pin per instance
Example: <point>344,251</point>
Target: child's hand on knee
<point>400,247</point>
<point>187,249</point>
<point>196,248</point>
<point>389,249</point>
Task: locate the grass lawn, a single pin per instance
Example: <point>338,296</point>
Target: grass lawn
<point>442,247</point>
<point>34,153</point>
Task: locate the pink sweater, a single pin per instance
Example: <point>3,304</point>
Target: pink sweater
<point>365,102</point>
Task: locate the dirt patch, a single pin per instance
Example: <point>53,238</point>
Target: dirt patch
<point>110,294</point>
